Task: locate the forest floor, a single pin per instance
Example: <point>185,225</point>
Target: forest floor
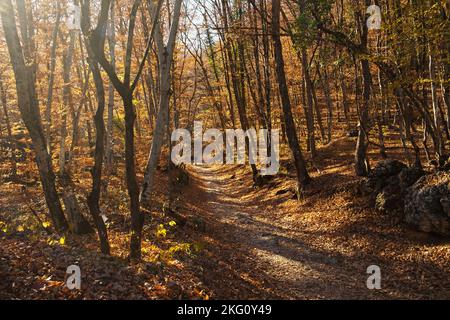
<point>263,243</point>
<point>226,239</point>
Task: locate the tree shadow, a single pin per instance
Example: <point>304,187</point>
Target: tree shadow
<point>273,261</point>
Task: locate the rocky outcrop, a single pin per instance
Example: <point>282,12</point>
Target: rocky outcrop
<point>407,177</point>
<point>384,174</point>
<point>387,168</point>
<point>427,204</point>
<point>391,197</point>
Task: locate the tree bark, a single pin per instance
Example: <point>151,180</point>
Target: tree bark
<point>51,79</point>
<point>302,174</point>
<point>112,56</point>
<point>165,53</point>
<point>12,142</point>
<point>29,109</point>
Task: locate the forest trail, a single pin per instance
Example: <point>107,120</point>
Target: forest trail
<point>265,258</point>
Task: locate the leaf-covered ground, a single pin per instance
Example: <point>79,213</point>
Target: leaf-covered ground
<point>261,243</point>
<point>226,239</point>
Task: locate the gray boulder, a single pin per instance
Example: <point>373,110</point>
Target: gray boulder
<point>384,174</point>
<point>427,204</point>
<point>390,199</point>
<point>409,176</point>
<point>387,168</point>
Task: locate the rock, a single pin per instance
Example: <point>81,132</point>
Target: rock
<point>385,173</point>
<point>390,199</point>
<point>387,185</point>
<point>387,168</point>
<point>427,204</point>
<point>409,176</point>
<point>445,203</point>
<point>363,188</point>
<point>381,176</point>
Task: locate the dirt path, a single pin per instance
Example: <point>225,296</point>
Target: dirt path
<point>262,244</point>
<point>258,256</point>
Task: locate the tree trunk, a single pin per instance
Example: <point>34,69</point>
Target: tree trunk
<point>435,102</point>
<point>326,89</point>
<point>362,167</point>
<point>137,218</point>
<point>165,53</point>
<point>112,56</point>
<point>302,174</point>
<point>67,99</point>
<point>93,200</point>
<point>309,104</point>
<point>29,109</point>
<point>51,80</point>
<point>12,142</point>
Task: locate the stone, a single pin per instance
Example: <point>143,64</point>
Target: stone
<point>409,176</point>
<point>387,168</point>
<point>427,204</point>
<point>385,173</point>
<point>390,199</point>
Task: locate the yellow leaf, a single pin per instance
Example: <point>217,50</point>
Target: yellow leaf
<point>46,224</point>
<point>20,229</point>
<point>161,232</point>
<point>62,241</point>
<point>172,223</point>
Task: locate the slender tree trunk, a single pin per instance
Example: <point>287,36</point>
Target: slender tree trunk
<point>239,88</point>
<point>309,104</point>
<point>93,200</point>
<point>435,104</point>
<point>362,166</point>
<point>137,218</point>
<point>110,128</point>
<point>67,99</point>
<point>12,142</point>
<point>29,109</point>
<point>326,89</point>
<point>302,174</point>
<point>345,101</point>
<point>51,80</point>
<point>266,67</point>
<point>165,61</point>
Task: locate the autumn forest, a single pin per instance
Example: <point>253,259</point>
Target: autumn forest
<point>224,149</point>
